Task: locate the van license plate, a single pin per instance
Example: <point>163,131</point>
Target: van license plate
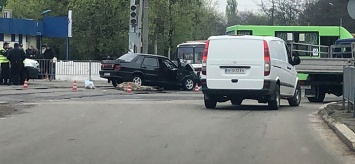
<point>235,71</point>
<point>107,74</point>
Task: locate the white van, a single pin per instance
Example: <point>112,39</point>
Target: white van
<point>249,67</point>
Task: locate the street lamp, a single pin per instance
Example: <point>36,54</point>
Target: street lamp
<point>341,21</point>
<point>44,13</point>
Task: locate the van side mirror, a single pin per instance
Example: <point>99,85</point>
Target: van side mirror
<point>296,61</point>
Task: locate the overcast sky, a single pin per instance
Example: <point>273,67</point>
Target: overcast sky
<point>242,5</point>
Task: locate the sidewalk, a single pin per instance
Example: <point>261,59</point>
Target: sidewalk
<point>340,121</point>
<point>65,84</point>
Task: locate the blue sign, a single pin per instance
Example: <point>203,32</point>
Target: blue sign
<point>49,27</point>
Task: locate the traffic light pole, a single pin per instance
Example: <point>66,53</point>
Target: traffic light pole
<point>138,27</point>
<point>131,31</point>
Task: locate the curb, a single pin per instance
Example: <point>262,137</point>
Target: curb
<point>341,130</point>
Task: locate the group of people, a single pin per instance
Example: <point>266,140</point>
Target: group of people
<point>12,64</point>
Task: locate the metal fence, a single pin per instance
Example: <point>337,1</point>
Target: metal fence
<point>349,88</point>
<point>49,69</point>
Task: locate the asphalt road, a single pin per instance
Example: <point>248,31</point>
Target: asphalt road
<point>162,128</point>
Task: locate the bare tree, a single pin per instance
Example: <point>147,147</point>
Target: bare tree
<point>281,12</point>
<point>268,7</point>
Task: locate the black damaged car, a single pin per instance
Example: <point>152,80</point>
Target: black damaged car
<point>149,70</point>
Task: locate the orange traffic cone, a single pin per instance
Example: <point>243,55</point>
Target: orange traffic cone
<point>129,88</point>
<point>75,88</point>
<point>196,88</point>
<point>25,85</point>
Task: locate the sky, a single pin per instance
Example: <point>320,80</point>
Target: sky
<point>243,5</point>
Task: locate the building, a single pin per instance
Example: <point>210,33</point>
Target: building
<point>23,31</point>
<point>30,32</point>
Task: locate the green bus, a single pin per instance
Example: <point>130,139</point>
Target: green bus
<point>315,35</point>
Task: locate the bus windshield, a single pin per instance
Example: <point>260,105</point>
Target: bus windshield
<point>191,54</point>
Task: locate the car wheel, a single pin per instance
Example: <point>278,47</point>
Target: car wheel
<point>274,103</point>
<point>210,102</point>
<point>296,99</point>
<point>137,79</point>
<point>188,84</point>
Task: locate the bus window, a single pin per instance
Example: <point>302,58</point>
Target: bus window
<point>185,54</point>
<point>306,38</point>
<point>230,32</point>
<point>198,55</point>
<point>244,32</point>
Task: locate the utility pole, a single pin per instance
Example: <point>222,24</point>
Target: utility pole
<point>273,12</point>
<point>145,26</point>
<point>140,24</point>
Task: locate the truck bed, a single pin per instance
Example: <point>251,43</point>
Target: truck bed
<point>323,65</point>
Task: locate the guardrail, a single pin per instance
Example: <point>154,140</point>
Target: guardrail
<point>62,70</point>
<point>349,88</point>
<point>309,50</point>
<point>333,51</point>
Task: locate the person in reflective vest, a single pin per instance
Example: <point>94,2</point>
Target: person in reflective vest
<point>5,67</point>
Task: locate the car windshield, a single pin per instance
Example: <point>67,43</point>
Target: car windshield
<point>169,64</point>
<point>127,57</point>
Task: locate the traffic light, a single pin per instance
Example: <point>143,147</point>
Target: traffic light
<point>133,14</point>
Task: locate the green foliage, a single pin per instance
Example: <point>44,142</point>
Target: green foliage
<point>32,9</point>
<point>2,3</point>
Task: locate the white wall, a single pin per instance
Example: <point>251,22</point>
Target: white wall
<point>31,40</point>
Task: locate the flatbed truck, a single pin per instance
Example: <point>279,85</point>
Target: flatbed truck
<point>324,72</point>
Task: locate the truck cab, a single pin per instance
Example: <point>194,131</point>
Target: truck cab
<point>343,52</point>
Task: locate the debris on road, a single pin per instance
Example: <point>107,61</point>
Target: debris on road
<point>124,86</point>
<point>89,84</point>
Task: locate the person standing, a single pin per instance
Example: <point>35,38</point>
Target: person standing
<point>48,54</point>
<point>4,77</point>
<point>16,58</point>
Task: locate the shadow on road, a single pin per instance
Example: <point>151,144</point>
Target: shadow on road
<point>260,107</point>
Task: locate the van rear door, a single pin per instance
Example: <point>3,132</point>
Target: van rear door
<point>235,63</point>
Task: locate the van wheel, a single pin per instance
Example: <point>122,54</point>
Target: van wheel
<point>210,103</point>
<point>296,99</point>
<point>236,101</point>
<point>274,103</point>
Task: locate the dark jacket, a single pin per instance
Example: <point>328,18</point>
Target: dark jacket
<point>16,55</point>
<point>49,53</point>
